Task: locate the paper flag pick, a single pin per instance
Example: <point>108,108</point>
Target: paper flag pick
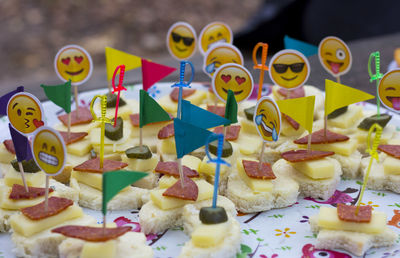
<point>199,117</point>
<point>150,110</point>
<point>267,118</point>
<point>59,95</point>
<point>181,40</point>
<point>338,95</point>
<point>219,54</point>
<point>188,137</point>
<point>21,145</point>
<point>208,35</point>
<point>300,109</point>
<point>231,108</point>
<point>115,181</point>
<point>334,56</point>
<point>305,48</point>
<point>388,90</point>
<point>6,97</point>
<point>116,57</point>
<point>153,72</point>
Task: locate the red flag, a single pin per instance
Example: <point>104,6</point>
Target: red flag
<point>153,72</point>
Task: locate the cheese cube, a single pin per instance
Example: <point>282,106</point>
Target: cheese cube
<point>391,165</point>
<point>343,148</point>
<point>166,181</point>
<point>27,227</point>
<point>78,128</point>
<point>106,249</point>
<point>249,144</point>
<point>149,130</point>
<point>94,180</point>
<point>328,219</point>
<point>9,204</point>
<point>80,148</point>
<point>32,179</point>
<point>170,106</point>
<point>257,185</point>
<point>349,119</point>
<point>168,146</point>
<point>248,126</point>
<point>5,156</point>
<point>205,236</point>
<point>387,134</point>
<point>316,169</point>
<point>209,168</point>
<point>191,162</point>
<point>141,164</point>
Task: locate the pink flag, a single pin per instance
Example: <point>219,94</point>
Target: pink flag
<point>153,72</point>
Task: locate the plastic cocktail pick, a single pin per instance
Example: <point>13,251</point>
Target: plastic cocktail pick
<point>372,150</point>
<point>103,120</point>
<point>182,83</point>
<point>377,76</point>
<point>118,88</point>
<point>262,66</point>
<point>218,161</point>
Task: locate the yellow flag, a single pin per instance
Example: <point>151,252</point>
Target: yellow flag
<point>338,95</point>
<point>116,57</point>
<point>300,109</point>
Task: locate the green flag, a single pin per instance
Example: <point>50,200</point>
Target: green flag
<point>115,181</point>
<point>150,110</point>
<point>59,95</point>
<point>231,108</point>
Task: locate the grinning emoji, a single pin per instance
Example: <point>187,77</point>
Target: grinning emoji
<point>289,69</point>
<point>213,33</point>
<point>267,118</point>
<point>73,63</point>
<point>389,90</point>
<point>335,56</point>
<point>49,150</point>
<point>232,77</point>
<point>25,112</point>
<point>219,54</point>
<point>181,40</point>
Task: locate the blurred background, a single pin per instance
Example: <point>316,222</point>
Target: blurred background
<point>33,32</point>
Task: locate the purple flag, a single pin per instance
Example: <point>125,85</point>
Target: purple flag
<point>21,144</point>
<point>6,97</point>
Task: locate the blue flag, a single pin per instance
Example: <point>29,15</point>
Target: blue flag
<point>21,145</point>
<point>6,97</point>
<point>188,137</point>
<point>303,47</point>
<point>200,117</point>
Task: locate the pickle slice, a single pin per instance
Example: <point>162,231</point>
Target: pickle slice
<point>338,112</point>
<point>138,152</point>
<point>112,101</point>
<point>382,120</point>
<point>210,215</point>
<point>117,132</point>
<point>249,112</point>
<point>29,166</point>
<point>226,149</point>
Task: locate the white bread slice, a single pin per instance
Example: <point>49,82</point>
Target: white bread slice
<point>354,242</point>
<point>4,219</point>
<point>320,188</point>
<point>350,164</point>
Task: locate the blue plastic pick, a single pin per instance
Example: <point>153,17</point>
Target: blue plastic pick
<point>182,83</point>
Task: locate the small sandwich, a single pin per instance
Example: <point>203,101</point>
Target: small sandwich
<point>94,241</point>
<point>7,151</point>
<point>87,179</point>
<point>170,102</point>
<point>345,150</point>
<point>344,228</point>
<point>316,173</point>
<point>253,188</point>
<point>216,235</point>
<point>125,108</point>
<point>32,227</point>
<point>81,121</point>
<point>385,174</point>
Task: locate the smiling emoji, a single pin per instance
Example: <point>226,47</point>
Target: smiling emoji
<point>335,56</point>
<point>73,63</point>
<point>289,69</point>
<point>181,40</point>
<point>232,77</point>
<point>25,112</point>
<point>213,33</point>
<point>49,150</point>
<point>219,54</point>
<point>267,118</point>
<point>389,90</point>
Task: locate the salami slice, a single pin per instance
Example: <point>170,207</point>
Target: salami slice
<point>292,122</point>
<point>93,166</point>
<point>348,213</point>
<point>166,132</point>
<point>218,110</point>
<point>296,93</point>
<point>189,191</point>
<point>92,234</point>
<point>305,155</point>
<point>392,150</point>
<point>84,117</point>
<point>318,137</point>
<point>232,132</point>
<point>135,119</point>
<point>252,170</point>
<point>174,95</point>
<point>9,144</point>
<point>73,137</point>
<point>171,168</point>
<point>55,206</point>
<point>18,192</point>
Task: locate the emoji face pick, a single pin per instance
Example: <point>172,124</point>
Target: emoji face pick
<point>181,40</point>
<point>49,150</point>
<point>232,77</point>
<point>335,56</point>
<point>289,69</point>
<point>213,33</point>
<point>267,118</point>
<point>389,90</point>
<point>25,113</point>
<point>219,54</point>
